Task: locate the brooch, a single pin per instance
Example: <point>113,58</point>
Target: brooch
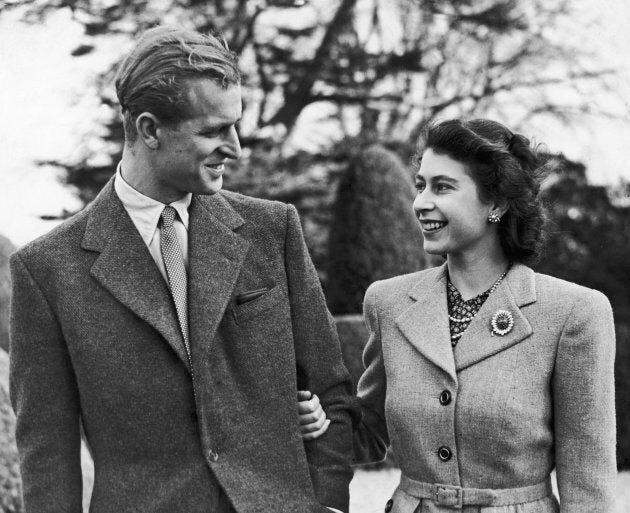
<point>502,323</point>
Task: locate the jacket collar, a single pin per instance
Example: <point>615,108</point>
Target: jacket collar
<point>127,270</point>
<point>425,322</point>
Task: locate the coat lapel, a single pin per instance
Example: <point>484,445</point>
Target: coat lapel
<point>516,290</point>
<point>425,322</point>
<point>216,255</point>
<point>127,270</point>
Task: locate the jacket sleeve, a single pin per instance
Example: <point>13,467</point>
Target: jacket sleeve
<point>584,408</point>
<point>320,369</point>
<point>45,399</point>
<point>371,439</point>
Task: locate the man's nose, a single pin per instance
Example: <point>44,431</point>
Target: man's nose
<point>232,145</point>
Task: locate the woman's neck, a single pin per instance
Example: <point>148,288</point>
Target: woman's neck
<point>472,276</point>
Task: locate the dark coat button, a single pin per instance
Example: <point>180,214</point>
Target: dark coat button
<point>445,398</point>
<point>444,453</point>
<point>389,505</point>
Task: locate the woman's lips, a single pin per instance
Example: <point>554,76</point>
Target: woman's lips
<point>432,226</point>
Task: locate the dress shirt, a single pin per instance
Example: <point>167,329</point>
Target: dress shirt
<point>145,213</point>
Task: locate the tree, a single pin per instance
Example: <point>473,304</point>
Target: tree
<point>374,233</point>
<point>589,244</point>
<point>6,248</point>
<point>380,68</point>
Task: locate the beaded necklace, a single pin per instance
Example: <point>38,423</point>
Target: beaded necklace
<point>461,312</point>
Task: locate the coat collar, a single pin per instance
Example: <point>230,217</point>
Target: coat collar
<point>215,254</point>
<point>515,291</point>
<point>425,322</point>
<point>127,270</point>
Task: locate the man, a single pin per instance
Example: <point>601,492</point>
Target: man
<point>175,321</point>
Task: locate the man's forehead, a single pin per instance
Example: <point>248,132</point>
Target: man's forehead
<point>207,98</point>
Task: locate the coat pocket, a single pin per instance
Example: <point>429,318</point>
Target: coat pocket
<point>259,304</point>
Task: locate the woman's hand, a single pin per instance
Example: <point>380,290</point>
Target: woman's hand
<point>313,421</point>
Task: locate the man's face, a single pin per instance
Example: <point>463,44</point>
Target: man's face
<point>192,153</point>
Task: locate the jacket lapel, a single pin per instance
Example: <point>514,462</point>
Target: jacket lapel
<point>425,322</point>
<point>516,290</point>
<point>126,269</point>
<point>216,255</point>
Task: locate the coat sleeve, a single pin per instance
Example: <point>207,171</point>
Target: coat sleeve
<point>45,399</point>
<point>371,439</point>
<point>320,369</point>
<point>584,408</point>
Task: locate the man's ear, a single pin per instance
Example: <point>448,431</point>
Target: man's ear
<point>147,127</point>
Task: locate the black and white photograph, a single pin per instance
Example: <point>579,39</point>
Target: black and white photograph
<point>304,256</point>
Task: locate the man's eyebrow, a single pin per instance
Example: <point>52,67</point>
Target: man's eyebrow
<point>219,124</point>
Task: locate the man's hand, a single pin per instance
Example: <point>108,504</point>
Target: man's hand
<point>313,421</point>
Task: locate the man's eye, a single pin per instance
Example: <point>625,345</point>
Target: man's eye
<point>441,187</point>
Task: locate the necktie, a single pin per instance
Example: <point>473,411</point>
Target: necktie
<point>175,270</point>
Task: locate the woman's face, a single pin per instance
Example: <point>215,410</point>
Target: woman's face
<point>453,217</point>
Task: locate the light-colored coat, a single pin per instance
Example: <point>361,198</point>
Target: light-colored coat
<point>95,334</point>
<point>539,397</point>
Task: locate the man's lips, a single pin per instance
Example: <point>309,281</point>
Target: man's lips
<point>215,169</point>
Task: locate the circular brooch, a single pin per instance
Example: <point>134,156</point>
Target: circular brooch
<point>502,323</point>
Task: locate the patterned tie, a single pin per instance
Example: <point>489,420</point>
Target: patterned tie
<point>175,270</point>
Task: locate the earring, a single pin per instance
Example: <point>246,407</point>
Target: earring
<point>493,217</point>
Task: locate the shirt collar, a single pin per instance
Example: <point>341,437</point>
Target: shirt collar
<point>144,211</point>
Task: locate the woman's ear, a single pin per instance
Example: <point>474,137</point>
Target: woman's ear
<point>147,127</point>
<point>500,207</point>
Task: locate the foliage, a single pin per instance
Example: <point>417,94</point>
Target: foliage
<point>380,68</point>
<point>374,233</point>
<point>10,483</point>
<point>6,248</point>
<point>589,244</point>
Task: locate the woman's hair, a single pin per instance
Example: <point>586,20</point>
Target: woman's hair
<point>152,78</point>
<point>505,167</point>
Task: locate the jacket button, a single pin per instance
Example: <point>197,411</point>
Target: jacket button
<point>212,455</point>
<point>389,505</point>
<point>445,398</point>
<point>444,453</point>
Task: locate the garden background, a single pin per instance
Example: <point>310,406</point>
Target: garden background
<point>336,93</point>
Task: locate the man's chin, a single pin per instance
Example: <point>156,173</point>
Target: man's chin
<point>211,188</point>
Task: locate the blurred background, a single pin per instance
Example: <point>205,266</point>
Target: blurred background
<point>336,94</point>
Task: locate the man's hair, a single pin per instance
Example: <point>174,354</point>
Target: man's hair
<point>505,166</point>
<point>152,78</point>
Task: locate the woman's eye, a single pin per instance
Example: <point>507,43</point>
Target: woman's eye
<point>420,186</point>
<point>441,187</point>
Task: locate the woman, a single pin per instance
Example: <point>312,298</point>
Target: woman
<point>482,374</point>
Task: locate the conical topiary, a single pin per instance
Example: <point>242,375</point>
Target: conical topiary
<point>374,233</point>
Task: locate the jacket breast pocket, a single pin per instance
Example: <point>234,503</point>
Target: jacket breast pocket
<point>262,303</point>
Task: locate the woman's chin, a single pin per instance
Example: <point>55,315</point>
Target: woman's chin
<point>434,249</point>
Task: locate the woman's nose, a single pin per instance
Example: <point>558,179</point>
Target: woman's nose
<point>423,201</point>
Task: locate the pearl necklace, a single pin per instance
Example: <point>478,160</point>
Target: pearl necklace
<point>468,319</point>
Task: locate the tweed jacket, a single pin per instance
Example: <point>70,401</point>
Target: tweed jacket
<point>507,409</point>
<point>95,337</point>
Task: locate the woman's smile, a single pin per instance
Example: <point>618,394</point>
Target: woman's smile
<point>430,226</point>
